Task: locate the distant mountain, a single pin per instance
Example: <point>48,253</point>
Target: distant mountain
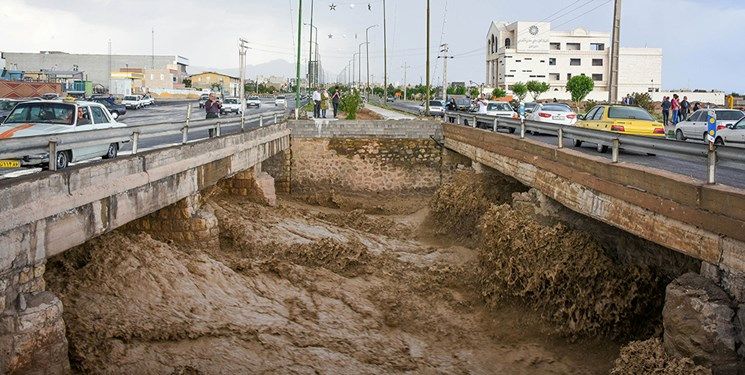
<point>279,67</point>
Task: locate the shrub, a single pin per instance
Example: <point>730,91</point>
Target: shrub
<point>520,90</point>
<point>580,87</point>
<point>350,104</point>
<point>498,93</point>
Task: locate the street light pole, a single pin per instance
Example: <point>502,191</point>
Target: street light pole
<point>385,56</point>
<point>367,54</point>
<point>297,68</point>
<point>426,103</point>
<point>359,64</point>
<point>310,47</point>
<point>242,61</point>
<point>615,52</point>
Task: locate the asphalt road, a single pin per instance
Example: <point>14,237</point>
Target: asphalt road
<point>727,173</point>
<point>162,113</point>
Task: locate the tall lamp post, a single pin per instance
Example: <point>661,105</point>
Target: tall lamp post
<point>310,46</point>
<point>311,58</point>
<point>367,54</point>
<point>426,103</point>
<point>359,63</point>
<point>385,56</point>
<point>242,68</point>
<point>297,68</point>
<point>354,56</point>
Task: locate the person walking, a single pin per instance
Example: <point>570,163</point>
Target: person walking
<point>324,103</point>
<point>666,110</point>
<point>316,103</point>
<point>675,107</point>
<point>335,101</point>
<point>685,108</point>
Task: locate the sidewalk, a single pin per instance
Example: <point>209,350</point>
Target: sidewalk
<point>388,114</point>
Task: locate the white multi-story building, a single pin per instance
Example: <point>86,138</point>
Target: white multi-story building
<point>528,51</point>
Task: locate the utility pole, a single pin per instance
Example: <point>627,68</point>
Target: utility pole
<point>310,49</point>
<point>426,103</point>
<point>353,70</point>
<point>367,54</point>
<point>242,47</point>
<point>445,49</point>
<point>385,57</point>
<point>615,52</point>
<point>359,64</point>
<point>297,68</point>
<point>152,51</point>
<point>406,68</point>
<point>110,67</point>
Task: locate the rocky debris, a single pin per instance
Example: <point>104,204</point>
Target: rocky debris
<point>649,357</point>
<point>698,322</point>
<point>566,275</point>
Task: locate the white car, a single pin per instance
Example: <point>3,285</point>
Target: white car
<point>133,101</point>
<point>253,101</point>
<point>436,108</point>
<point>501,109</point>
<point>732,135</point>
<point>695,126</point>
<point>553,113</point>
<point>231,105</point>
<point>280,101</point>
<point>148,100</point>
<point>56,117</point>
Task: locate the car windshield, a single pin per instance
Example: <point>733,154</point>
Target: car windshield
<point>130,98</point>
<point>44,113</point>
<point>463,101</point>
<point>499,107</point>
<point>280,98</point>
<point>254,98</point>
<point>436,103</point>
<point>629,113</point>
<point>231,101</point>
<point>204,97</point>
<point>729,115</point>
<point>7,105</point>
<point>555,108</point>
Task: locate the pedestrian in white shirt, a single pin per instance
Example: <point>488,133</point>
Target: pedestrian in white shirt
<point>317,103</point>
<point>481,102</point>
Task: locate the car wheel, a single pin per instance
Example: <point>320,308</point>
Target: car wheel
<point>62,160</point>
<point>511,130</point>
<point>112,152</point>
<point>719,141</point>
<point>679,135</point>
<point>115,115</point>
<point>577,143</point>
<point>602,148</point>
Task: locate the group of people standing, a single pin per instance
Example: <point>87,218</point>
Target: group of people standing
<point>321,99</point>
<point>679,109</point>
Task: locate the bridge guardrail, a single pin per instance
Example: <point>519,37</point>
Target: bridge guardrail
<point>615,141</point>
<point>52,143</point>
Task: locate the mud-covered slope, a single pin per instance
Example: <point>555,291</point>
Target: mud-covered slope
<point>292,290</point>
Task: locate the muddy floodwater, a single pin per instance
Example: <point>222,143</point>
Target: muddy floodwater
<point>303,289</point>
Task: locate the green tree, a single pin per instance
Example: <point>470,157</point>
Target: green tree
<point>474,92</point>
<point>350,104</point>
<point>580,87</point>
<point>498,93</point>
<point>644,100</point>
<point>536,88</point>
<point>520,90</point>
<point>186,82</point>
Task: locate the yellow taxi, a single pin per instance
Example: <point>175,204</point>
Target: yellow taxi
<point>622,119</point>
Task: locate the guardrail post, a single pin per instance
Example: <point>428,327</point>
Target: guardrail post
<point>261,120</point>
<point>185,129</point>
<point>496,123</point>
<point>522,128</point>
<point>135,142</point>
<point>243,120</point>
<point>561,137</point>
<point>297,114</point>
<point>712,161</point>
<point>459,119</point>
<point>615,148</point>
<point>52,155</point>
<point>275,118</point>
<point>217,131</point>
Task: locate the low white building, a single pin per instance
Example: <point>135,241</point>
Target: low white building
<point>527,51</point>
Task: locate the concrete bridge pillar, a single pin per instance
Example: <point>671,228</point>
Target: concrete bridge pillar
<point>32,332</point>
<point>186,221</point>
<point>254,184</point>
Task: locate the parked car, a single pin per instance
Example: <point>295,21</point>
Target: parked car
<point>116,110</point>
<point>553,113</point>
<point>390,99</point>
<point>57,117</point>
<point>501,109</point>
<point>462,104</point>
<point>148,100</point>
<point>203,99</point>
<point>436,108</point>
<point>732,135</point>
<point>50,96</point>
<point>695,126</point>
<point>6,105</point>
<point>133,101</point>
<point>280,101</point>
<point>622,119</point>
<point>231,105</point>
<point>253,101</point>
<point>530,107</point>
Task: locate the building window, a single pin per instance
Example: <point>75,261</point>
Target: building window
<point>597,62</point>
<point>528,59</point>
<point>575,62</point>
<point>597,47</point>
<point>555,46</point>
<point>569,76</point>
<point>573,46</point>
<point>518,61</point>
<point>554,76</point>
<point>597,77</point>
<point>507,43</point>
<point>551,61</point>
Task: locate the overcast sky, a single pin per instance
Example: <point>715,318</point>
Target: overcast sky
<point>702,40</point>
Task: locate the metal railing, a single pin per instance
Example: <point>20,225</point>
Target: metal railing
<point>51,144</point>
<point>612,140</point>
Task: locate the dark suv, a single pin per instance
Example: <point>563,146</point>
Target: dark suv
<point>116,110</point>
